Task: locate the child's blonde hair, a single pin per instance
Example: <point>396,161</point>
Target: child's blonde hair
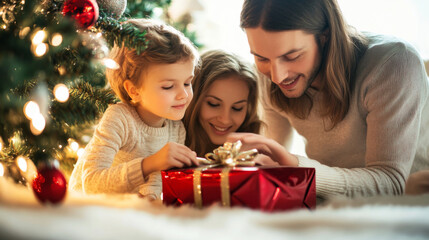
<point>165,44</point>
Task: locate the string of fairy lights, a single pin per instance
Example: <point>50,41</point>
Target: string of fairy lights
<point>33,110</point>
<point>24,171</point>
<point>58,51</point>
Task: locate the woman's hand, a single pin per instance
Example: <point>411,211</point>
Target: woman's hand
<point>170,156</point>
<point>265,146</point>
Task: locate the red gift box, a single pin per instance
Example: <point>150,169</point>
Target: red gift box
<point>265,188</point>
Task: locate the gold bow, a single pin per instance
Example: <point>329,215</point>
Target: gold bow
<point>227,156</point>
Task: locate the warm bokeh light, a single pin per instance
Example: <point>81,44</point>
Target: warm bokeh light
<point>23,32</point>
<point>14,139</point>
<point>61,92</point>
<point>62,70</point>
<point>31,173</point>
<point>74,146</point>
<point>27,168</point>
<point>38,37</point>
<point>56,163</point>
<point>31,110</point>
<point>86,138</point>
<point>22,163</point>
<point>40,49</point>
<point>110,63</point>
<point>56,39</point>
<point>1,170</point>
<point>37,124</point>
<point>80,152</point>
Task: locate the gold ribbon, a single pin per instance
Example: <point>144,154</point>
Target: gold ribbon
<point>227,156</point>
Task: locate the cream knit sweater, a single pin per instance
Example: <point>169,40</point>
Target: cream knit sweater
<point>371,151</point>
<point>112,159</point>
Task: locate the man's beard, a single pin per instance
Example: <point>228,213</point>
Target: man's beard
<point>312,77</point>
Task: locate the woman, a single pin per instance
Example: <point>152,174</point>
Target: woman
<point>225,101</point>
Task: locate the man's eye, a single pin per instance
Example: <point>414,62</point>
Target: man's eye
<point>261,59</point>
<point>166,88</point>
<point>292,58</point>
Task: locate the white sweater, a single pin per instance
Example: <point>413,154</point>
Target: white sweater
<point>112,159</point>
<point>371,151</point>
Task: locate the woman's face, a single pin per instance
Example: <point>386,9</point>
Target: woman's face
<point>224,108</point>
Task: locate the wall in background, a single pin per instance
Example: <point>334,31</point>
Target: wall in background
<point>407,19</point>
<point>217,22</point>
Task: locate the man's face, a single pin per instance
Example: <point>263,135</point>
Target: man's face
<point>291,59</point>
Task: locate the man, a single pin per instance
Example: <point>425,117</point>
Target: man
<point>356,98</point>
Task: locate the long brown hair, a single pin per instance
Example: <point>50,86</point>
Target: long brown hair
<point>340,52</point>
<point>216,64</point>
<point>165,45</point>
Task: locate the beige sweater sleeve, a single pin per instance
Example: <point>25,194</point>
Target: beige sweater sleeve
<point>99,172</point>
<point>112,160</point>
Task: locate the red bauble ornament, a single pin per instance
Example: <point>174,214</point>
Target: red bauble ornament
<point>49,185</point>
<point>84,11</point>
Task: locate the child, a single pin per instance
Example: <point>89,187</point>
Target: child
<point>143,134</point>
<point>225,101</point>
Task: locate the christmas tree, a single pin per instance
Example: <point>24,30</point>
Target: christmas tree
<point>53,55</point>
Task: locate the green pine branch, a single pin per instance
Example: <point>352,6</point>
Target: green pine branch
<point>144,9</point>
<point>116,33</point>
<point>84,105</point>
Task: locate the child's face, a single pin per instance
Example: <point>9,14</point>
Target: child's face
<point>224,108</point>
<point>165,92</point>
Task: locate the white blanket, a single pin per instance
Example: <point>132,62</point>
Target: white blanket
<point>130,217</point>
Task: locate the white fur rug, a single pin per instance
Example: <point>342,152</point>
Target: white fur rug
<point>130,217</point>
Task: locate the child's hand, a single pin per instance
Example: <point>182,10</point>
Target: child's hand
<point>170,156</point>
